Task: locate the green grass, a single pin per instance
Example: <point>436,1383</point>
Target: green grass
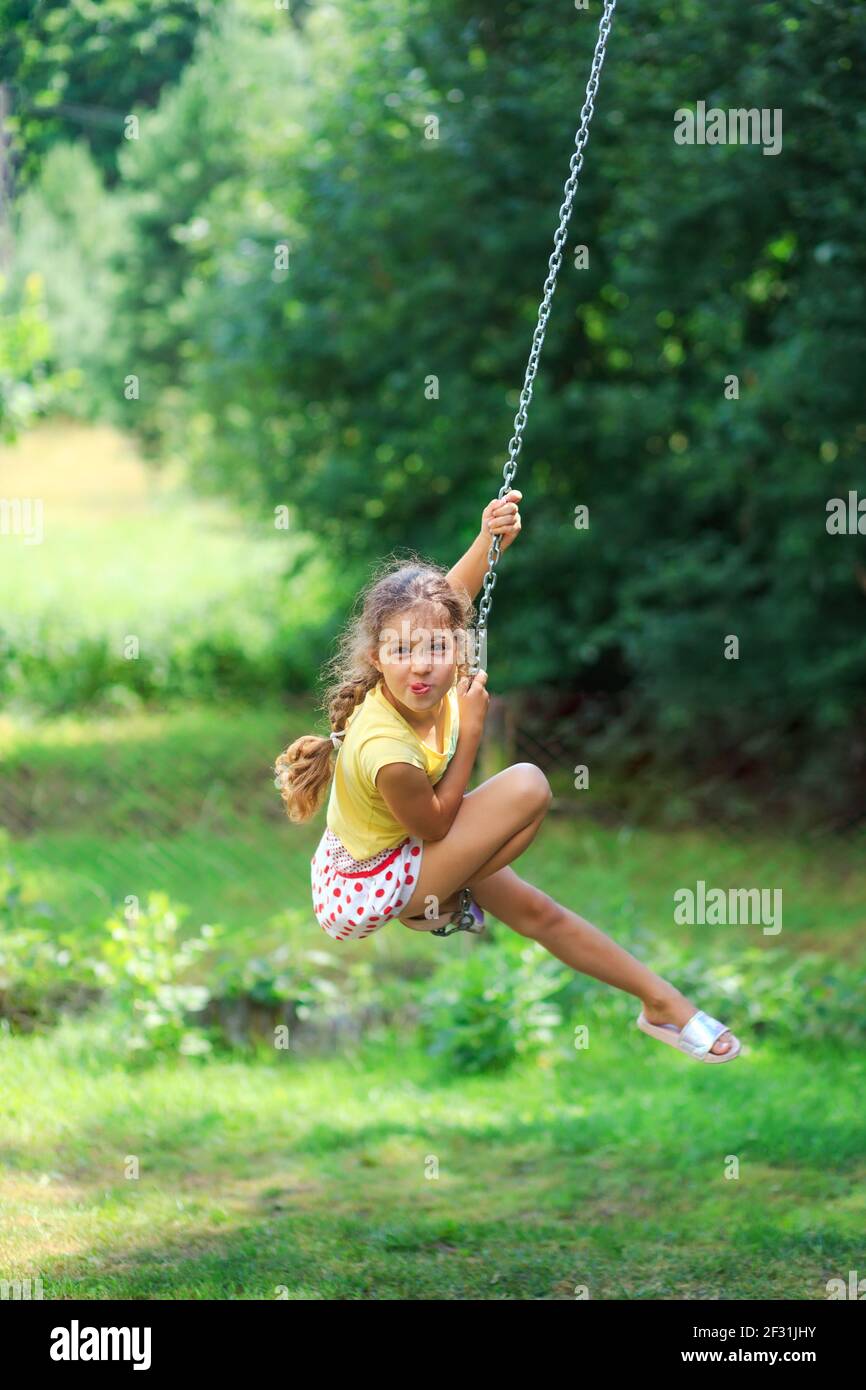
<point>312,1175</point>
<point>125,548</point>
<point>603,1168</point>
<point>185,801</point>
<point>100,809</point>
<point>309,1173</point>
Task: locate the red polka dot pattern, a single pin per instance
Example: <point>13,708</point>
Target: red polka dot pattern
<point>372,891</point>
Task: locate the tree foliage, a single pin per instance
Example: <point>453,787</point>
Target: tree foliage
<point>72,67</point>
<point>415,260</point>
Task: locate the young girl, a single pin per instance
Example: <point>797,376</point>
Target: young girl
<point>403,836</point>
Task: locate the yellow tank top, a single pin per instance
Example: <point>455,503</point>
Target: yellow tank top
<point>376,734</point>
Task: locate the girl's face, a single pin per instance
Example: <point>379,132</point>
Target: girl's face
<point>418,662</point>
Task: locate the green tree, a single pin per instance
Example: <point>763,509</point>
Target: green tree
<point>414,259</point>
<point>29,385</point>
<point>72,235</point>
<point>74,68</point>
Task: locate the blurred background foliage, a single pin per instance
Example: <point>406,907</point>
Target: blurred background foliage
<point>164,639</point>
<point>411,257</point>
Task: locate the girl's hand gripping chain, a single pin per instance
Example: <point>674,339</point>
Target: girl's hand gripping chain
<point>502,518</point>
<point>473,699</point>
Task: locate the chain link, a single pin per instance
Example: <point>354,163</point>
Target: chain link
<point>554,263</point>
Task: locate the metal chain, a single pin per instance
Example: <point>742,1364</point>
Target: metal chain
<point>554,263</point>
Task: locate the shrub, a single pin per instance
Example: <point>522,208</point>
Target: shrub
<point>142,967</point>
<point>36,966</point>
<point>483,1010</point>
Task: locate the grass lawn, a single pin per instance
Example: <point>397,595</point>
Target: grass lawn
<point>369,1172</point>
<point>184,801</point>
<point>310,1174</point>
<point>125,548</point>
<point>363,1176</point>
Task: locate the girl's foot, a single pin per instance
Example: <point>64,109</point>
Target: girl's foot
<point>676,1009</point>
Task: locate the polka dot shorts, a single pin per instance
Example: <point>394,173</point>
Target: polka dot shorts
<point>354,897</point>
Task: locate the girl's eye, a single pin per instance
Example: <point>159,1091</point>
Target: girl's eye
<point>403,654</point>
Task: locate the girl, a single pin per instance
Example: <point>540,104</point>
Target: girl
<point>403,836</point>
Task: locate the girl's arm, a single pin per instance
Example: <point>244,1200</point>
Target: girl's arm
<point>422,809</point>
<point>500,517</point>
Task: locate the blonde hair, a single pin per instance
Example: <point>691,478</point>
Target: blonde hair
<point>305,768</point>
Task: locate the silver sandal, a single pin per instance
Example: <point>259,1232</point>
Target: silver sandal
<point>695,1038</point>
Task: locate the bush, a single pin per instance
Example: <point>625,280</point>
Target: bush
<point>36,965</point>
<point>54,672</point>
<point>795,997</point>
<point>481,1011</point>
<point>484,1010</point>
<point>142,968</point>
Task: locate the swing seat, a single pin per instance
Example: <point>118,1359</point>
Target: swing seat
<point>468,917</point>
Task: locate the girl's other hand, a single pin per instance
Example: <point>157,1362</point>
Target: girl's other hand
<point>502,518</point>
<point>472,701</point>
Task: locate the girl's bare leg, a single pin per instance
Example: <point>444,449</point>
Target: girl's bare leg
<point>495,823</point>
<point>510,851</point>
<point>582,946</point>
